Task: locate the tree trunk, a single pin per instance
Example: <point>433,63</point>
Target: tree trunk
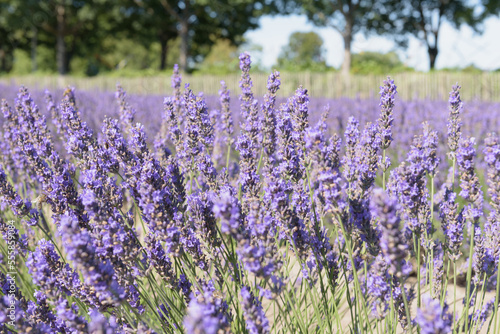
<point>164,52</point>
<point>347,36</point>
<point>346,64</point>
<point>3,60</point>
<point>433,52</point>
<point>34,44</point>
<point>60,43</point>
<point>184,34</point>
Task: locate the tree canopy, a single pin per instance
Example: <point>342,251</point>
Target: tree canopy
<point>423,19</point>
<point>304,51</point>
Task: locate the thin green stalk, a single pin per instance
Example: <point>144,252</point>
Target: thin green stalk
<point>357,287</point>
<point>416,242</point>
<point>454,159</point>
<point>384,172</point>
<point>496,309</point>
<point>483,292</point>
<point>454,293</point>
<point>469,274</point>
<point>407,308</point>
<point>228,155</point>
<point>443,290</point>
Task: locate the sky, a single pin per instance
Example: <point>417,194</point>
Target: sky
<point>457,48</point>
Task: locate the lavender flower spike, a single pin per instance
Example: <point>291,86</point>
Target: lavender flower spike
<point>392,243</point>
<point>432,318</point>
<point>387,96</point>
<point>255,317</point>
<point>492,225</point>
<point>227,120</point>
<point>454,124</point>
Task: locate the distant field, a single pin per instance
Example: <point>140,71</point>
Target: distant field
<point>435,86</point>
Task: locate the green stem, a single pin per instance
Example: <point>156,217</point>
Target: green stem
<point>496,309</point>
<point>407,308</point>
<point>469,274</point>
<point>384,172</point>
<point>228,155</point>
<point>454,293</point>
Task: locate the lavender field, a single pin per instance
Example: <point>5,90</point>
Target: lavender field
<point>246,214</point>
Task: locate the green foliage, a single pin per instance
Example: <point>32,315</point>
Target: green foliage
<point>304,51</point>
<point>467,69</point>
<point>222,59</point>
<point>377,63</point>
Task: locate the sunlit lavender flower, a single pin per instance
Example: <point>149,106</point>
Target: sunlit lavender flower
<point>437,271</point>
<point>40,312</point>
<point>408,182</point>
<point>454,123</point>
<point>469,181</point>
<point>492,225</point>
<point>177,94</point>
<point>432,318</point>
<point>227,209</point>
<point>255,317</point>
<point>18,206</point>
<point>453,224</point>
<point>429,146</point>
<point>387,96</point>
<point>246,84</point>
<point>367,152</point>
<point>227,118</point>
<point>392,242</point>
<point>69,314</point>
<point>100,324</point>
<point>300,105</point>
<point>11,234</point>
<point>202,217</point>
<point>268,109</point>
<point>379,287</point>
<point>249,179</point>
<point>199,129</point>
<point>349,160</point>
<point>207,312</point>
<point>289,154</point>
<point>96,273</point>
<point>126,111</point>
<point>480,316</point>
<point>483,261</point>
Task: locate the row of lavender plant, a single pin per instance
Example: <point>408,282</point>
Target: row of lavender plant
<point>275,225</point>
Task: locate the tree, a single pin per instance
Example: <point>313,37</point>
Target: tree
<point>377,63</point>
<point>348,17</point>
<point>70,26</point>
<point>199,24</point>
<point>423,19</point>
<point>304,51</point>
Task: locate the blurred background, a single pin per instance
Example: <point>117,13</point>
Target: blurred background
<point>94,43</point>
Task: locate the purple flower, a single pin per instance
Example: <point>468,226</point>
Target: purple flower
<point>255,317</point>
<point>452,223</point>
<point>492,225</point>
<point>454,124</point>
<point>227,119</point>
<point>387,96</point>
<point>126,112</point>
<point>289,154</point>
<point>207,313</point>
<point>100,324</point>
<point>432,318</point>
<point>469,181</point>
<point>227,208</point>
<point>392,243</point>
<point>300,105</point>
<point>269,111</point>
<point>19,207</point>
